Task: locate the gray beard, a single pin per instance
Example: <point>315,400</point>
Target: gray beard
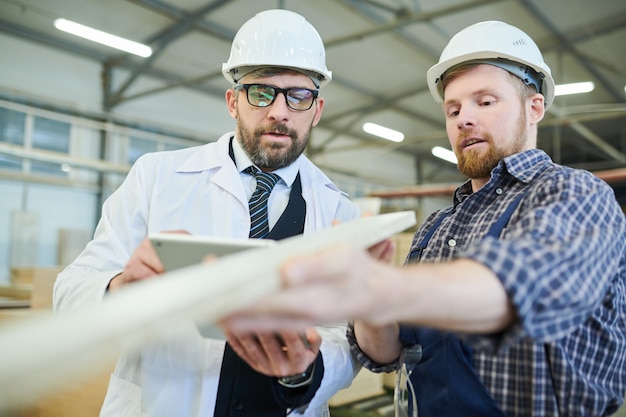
<point>275,156</point>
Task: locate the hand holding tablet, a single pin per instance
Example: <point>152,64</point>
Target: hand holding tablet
<point>177,250</point>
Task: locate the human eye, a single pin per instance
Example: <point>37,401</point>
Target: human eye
<point>487,101</point>
<point>299,95</point>
<point>262,95</point>
<point>452,111</point>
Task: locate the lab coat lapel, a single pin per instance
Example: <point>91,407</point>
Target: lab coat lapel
<point>216,160</point>
<point>321,197</point>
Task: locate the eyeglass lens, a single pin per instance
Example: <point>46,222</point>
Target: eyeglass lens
<point>261,95</point>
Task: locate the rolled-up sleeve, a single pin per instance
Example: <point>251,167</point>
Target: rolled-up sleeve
<point>557,260</point>
<point>362,357</point>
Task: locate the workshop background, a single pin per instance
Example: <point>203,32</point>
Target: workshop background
<point>74,115</point>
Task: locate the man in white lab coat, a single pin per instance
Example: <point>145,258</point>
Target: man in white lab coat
<point>276,67</point>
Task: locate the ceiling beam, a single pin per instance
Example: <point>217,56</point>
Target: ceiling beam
<point>566,44</point>
<point>159,41</point>
<point>405,20</point>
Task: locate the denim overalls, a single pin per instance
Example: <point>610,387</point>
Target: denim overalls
<point>443,378</point>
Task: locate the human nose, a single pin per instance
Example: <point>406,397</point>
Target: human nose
<point>279,109</point>
<point>466,118</point>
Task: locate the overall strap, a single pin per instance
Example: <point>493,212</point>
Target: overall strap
<point>416,254</point>
<point>496,229</point>
<point>454,388</point>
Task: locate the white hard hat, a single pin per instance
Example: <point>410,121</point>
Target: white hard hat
<point>277,38</point>
<point>496,43</point>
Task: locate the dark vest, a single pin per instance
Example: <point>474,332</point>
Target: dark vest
<point>242,391</point>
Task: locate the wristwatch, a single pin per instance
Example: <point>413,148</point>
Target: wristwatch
<point>298,380</point>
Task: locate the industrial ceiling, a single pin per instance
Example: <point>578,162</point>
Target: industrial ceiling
<point>379,52</point>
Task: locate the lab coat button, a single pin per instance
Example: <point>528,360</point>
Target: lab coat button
<point>237,404</point>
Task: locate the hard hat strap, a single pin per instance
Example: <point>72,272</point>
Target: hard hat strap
<point>527,74</point>
<point>269,71</point>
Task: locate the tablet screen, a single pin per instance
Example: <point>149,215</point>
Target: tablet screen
<point>177,250</point>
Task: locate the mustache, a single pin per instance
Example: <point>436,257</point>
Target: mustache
<point>276,128</point>
<point>466,133</point>
<point>469,133</point>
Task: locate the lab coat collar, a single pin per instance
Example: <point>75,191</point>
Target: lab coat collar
<point>214,157</point>
<point>207,157</point>
<point>316,186</point>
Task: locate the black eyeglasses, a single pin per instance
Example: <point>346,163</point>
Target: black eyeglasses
<point>261,95</point>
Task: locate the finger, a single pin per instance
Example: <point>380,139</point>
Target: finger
<point>294,340</point>
<point>314,339</point>
<point>324,264</point>
<point>139,272</point>
<point>390,252</point>
<point>273,343</point>
<point>248,348</point>
<point>180,231</point>
<point>261,320</point>
<point>377,249</point>
<point>305,341</point>
<point>235,344</point>
<point>148,256</point>
<point>209,259</point>
<point>134,270</point>
<point>278,352</point>
<point>294,355</point>
<point>383,251</point>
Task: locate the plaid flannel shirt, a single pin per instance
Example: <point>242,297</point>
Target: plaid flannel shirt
<point>562,262</point>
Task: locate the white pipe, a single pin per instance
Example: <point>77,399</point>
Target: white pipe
<point>46,353</point>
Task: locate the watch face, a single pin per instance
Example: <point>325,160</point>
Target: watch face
<point>294,379</point>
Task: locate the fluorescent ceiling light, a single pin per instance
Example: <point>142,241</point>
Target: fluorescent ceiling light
<point>383,132</point>
<point>573,88</point>
<point>445,154</point>
<point>103,38</point>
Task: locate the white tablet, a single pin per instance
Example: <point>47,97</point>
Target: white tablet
<point>177,250</point>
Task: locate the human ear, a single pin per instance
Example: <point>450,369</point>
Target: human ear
<point>537,108</point>
<point>318,110</point>
<point>231,102</point>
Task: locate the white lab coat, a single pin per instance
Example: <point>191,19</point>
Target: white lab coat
<point>198,190</point>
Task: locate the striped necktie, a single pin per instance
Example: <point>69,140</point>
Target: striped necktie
<point>265,181</point>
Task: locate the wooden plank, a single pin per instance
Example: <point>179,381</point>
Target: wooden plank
<point>611,176</point>
<point>432,190</point>
<point>40,355</point>
<point>15,291</point>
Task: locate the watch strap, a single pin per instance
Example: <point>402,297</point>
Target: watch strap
<point>298,380</point>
